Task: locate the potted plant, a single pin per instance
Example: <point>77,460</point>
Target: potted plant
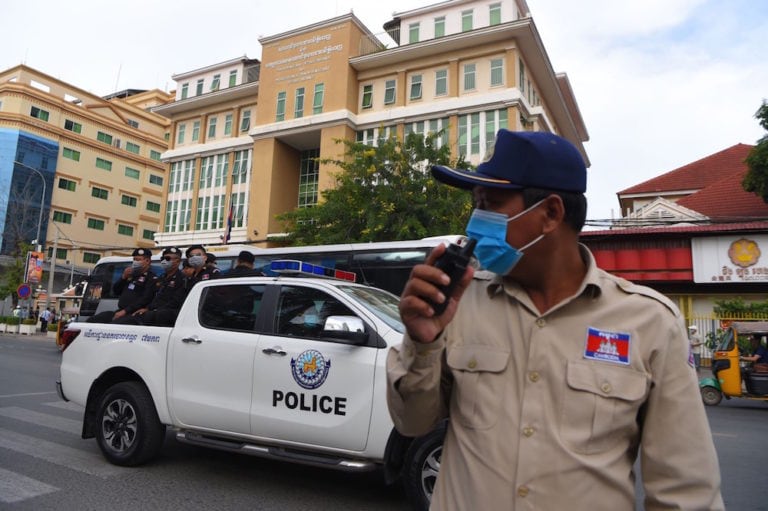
<point>28,326</point>
<point>3,323</point>
<point>12,326</point>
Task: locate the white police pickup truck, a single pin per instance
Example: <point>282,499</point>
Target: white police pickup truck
<point>288,368</point>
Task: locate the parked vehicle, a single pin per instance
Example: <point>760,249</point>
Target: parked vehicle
<point>285,368</point>
<point>731,376</point>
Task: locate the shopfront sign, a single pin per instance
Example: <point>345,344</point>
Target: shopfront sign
<point>732,259</point>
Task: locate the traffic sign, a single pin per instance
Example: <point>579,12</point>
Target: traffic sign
<point>24,291</point>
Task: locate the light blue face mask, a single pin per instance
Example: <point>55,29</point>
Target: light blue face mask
<point>490,231</point>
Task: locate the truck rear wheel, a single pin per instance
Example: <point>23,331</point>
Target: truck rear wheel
<point>128,430</point>
<point>422,464</point>
<point>711,396</point>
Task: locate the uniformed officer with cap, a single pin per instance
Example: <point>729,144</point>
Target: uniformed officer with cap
<point>197,260</point>
<point>555,375</point>
<point>136,288</point>
<point>169,295</point>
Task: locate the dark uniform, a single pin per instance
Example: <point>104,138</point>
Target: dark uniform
<point>135,292</point>
<point>170,293</point>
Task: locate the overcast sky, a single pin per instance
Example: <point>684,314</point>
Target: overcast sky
<point>660,83</point>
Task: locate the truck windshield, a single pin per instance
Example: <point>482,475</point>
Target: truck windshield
<point>382,303</point>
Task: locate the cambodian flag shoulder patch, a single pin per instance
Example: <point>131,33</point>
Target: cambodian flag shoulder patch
<point>607,346</point>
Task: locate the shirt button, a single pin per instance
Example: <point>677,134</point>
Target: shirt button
<point>522,491</point>
<point>528,431</point>
<point>541,322</point>
<point>472,364</point>
<point>606,387</point>
<point>533,376</point>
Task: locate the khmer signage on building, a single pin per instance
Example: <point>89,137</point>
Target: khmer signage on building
<point>731,259</point>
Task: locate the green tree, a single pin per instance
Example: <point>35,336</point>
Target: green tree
<point>12,274</point>
<point>383,193</point>
<point>756,179</point>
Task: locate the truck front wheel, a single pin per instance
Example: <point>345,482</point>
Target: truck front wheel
<point>128,430</point>
<point>711,396</point>
<point>422,464</point>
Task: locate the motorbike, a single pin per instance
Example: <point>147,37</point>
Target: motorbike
<point>729,378</point>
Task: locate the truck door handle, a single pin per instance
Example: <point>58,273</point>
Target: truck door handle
<point>273,351</point>
<point>193,340</point>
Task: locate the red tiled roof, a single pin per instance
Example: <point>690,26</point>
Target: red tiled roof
<point>680,229</point>
<point>696,175</point>
<point>727,199</point>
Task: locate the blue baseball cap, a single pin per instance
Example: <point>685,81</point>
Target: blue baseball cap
<point>523,159</point>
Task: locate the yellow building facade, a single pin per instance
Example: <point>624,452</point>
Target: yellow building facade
<point>466,67</point>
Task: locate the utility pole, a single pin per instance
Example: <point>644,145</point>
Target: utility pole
<point>53,269</point>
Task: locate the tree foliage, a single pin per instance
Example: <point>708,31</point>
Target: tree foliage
<point>383,193</point>
<point>756,179</point>
<point>12,274</point>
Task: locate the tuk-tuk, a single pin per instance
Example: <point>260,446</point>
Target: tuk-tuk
<point>732,377</point>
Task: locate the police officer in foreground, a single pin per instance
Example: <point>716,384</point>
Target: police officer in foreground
<point>169,295</point>
<point>556,375</point>
<point>244,266</point>
<point>136,288</point>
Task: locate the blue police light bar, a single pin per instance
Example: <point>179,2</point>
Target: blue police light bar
<point>294,267</point>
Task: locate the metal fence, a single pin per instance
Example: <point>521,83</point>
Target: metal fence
<point>712,325</point>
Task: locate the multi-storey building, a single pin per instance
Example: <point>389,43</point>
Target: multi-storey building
<point>466,67</point>
<point>211,152</point>
<point>77,171</point>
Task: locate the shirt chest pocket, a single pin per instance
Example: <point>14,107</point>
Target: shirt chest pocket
<point>479,382</point>
<point>600,404</point>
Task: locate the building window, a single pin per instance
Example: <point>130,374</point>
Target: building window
<point>206,172</point>
<point>91,257</point>
<point>469,77</point>
<point>154,179</point>
<point>127,200</point>
<point>389,92</point>
<point>103,137</point>
<point>96,224</point>
<point>222,169</point>
<point>99,193</point>
<point>132,148</point>
<point>471,139</point>
<point>182,132</point>
<point>241,166</point>
<point>210,212</point>
<point>413,33</point>
<point>66,184</point>
<point>132,123</point>
<point>317,102</point>
<point>212,127</point>
<point>466,20</point>
<point>125,230</point>
<point>184,90</point>
<point>216,82</point>
<point>245,121</point>
<point>199,87</point>
<point>497,72</point>
<point>39,113</point>
<point>73,126</point>
<point>441,82</point>
<point>415,86</point>
<point>103,164</point>
<point>195,131</point>
<point>298,107</point>
<point>61,253</point>
<point>521,85</point>
<point>494,14</point>
<point>148,234</point>
<point>132,173</point>
<point>440,26</point>
<point>62,218</point>
<point>367,96</point>
<point>228,125</point>
<point>280,112</point>
<point>237,200</point>
<point>309,171</point>
<point>233,78</point>
<point>70,153</point>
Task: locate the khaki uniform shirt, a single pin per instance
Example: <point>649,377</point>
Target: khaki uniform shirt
<point>548,411</point>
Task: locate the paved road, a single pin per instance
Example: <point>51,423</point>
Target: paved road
<point>45,465</point>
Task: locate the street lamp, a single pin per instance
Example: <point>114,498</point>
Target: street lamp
<point>42,201</point>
